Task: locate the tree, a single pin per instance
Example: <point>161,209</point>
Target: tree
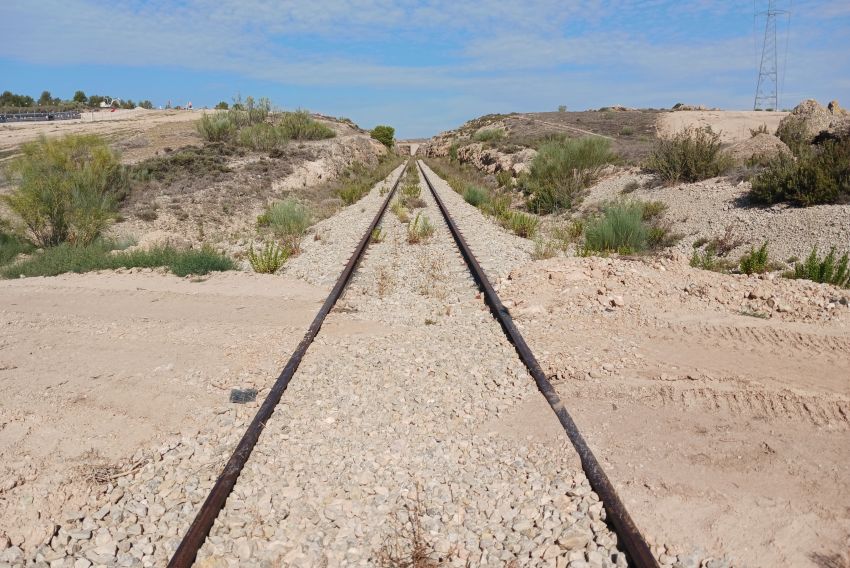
<point>10,99</point>
<point>128,104</point>
<point>45,99</point>
<point>146,104</point>
<point>384,134</point>
<point>95,100</point>
<point>79,97</point>
<point>222,105</point>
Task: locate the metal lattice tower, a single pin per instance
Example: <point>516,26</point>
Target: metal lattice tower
<point>767,90</point>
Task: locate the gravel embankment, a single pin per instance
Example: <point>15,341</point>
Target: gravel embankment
<point>399,402</point>
<point>498,251</point>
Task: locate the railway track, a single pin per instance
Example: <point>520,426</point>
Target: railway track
<point>426,439</point>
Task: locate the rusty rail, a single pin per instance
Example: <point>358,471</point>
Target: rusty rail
<point>628,534</point>
<point>200,528</point>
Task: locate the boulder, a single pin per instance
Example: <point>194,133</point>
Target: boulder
<point>806,121</point>
<point>762,147</point>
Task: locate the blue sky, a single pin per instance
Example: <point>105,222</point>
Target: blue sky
<point>421,66</point>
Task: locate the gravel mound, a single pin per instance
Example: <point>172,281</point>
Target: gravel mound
<point>761,146</point>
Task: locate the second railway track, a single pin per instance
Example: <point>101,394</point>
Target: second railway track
<point>402,416</point>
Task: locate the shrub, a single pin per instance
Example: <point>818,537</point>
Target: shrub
<point>819,176</point>
<point>519,223</point>
<point>543,250</point>
<point>270,258</point>
<point>476,196</point>
<point>68,188</point>
<point>562,169</point>
<point>489,135</point>
<point>453,151</point>
<point>377,235</point>
<point>287,219</point>
<point>691,155</point>
<point>567,234</point>
<point>755,261</point>
<point>299,125</point>
<point>631,186</point>
<point>263,136</point>
<point>795,136</point>
<point>384,134</point>
<point>760,130</point>
<point>222,105</point>
<point>400,211</point>
<point>420,229</point>
<point>504,178</point>
<point>98,255</point>
<point>216,127</point>
<point>621,229</point>
<point>11,246</point>
<point>823,271</point>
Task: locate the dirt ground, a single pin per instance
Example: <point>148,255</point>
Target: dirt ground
<point>138,133</point>
<point>733,125</point>
<point>722,421</point>
<point>95,367</point>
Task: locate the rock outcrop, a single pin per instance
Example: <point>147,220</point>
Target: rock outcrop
<point>806,121</point>
<point>761,147</point>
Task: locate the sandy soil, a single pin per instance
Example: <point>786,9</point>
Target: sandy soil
<point>95,367</point>
<point>138,133</point>
<point>734,125</point>
<point>724,432</point>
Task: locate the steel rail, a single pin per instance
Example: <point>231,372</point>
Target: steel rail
<point>628,534</point>
<point>200,528</point>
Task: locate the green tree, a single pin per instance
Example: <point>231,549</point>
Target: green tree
<point>10,99</point>
<point>45,99</point>
<point>384,134</point>
<point>95,100</point>
<point>146,104</point>
<point>79,97</point>
<point>222,105</point>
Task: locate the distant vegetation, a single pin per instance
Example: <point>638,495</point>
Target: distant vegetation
<point>252,124</point>
<point>562,170</point>
<point>79,99</point>
<point>384,134</point>
<point>690,155</point>
<point>489,135</point>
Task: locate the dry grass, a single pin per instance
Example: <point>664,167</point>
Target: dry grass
<point>410,546</point>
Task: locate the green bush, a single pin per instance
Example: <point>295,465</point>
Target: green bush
<point>562,169</point>
<point>287,219</point>
<point>820,175</point>
<point>823,271</point>
<point>216,127</point>
<point>476,196</point>
<point>263,137</point>
<point>68,188</point>
<point>755,261</point>
<point>384,134</point>
<point>299,125</point>
<point>222,106</point>
<point>621,229</point>
<point>489,135</point>
<point>519,223</point>
<point>11,246</point>
<point>270,258</point>
<point>98,255</point>
<point>691,155</point>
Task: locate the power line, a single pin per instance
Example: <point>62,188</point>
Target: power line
<point>767,89</point>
